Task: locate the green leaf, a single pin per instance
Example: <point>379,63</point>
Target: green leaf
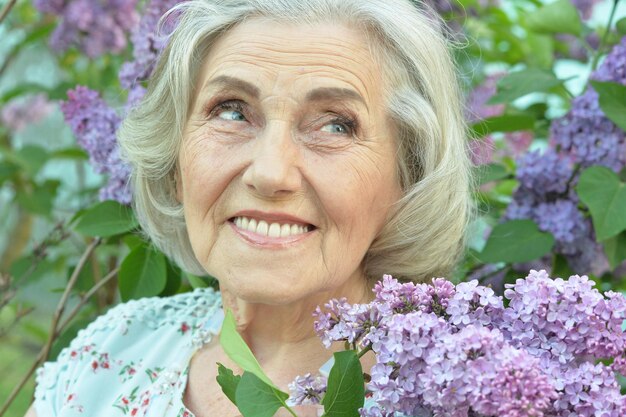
<point>38,198</point>
<point>539,50</point>
<point>7,170</point>
<point>620,26</point>
<point>615,249</point>
<point>33,158</point>
<point>173,279</point>
<point>237,349</point>
<point>228,381</point>
<point>516,241</point>
<point>70,153</point>
<point>108,218</point>
<point>142,273</point>
<point>601,190</point>
<point>520,83</point>
<point>346,389</point>
<point>612,98</point>
<point>505,123</point>
<point>490,172</point>
<point>558,17</point>
<point>255,398</point>
<point>197,281</point>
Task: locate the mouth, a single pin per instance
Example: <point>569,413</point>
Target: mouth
<point>271,228</point>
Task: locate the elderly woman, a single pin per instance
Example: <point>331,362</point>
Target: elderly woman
<point>296,150</point>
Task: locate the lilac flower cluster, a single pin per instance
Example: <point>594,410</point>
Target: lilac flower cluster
<point>582,138</point>
<point>446,350</point>
<point>148,42</point>
<point>17,114</point>
<point>95,27</point>
<point>94,124</point>
<point>585,133</point>
<point>307,390</point>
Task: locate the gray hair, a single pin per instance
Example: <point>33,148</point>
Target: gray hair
<point>425,232</point>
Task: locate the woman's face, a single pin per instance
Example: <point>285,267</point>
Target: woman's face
<point>288,162</point>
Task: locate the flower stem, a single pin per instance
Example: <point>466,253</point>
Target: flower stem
<point>363,352</point>
<point>596,58</point>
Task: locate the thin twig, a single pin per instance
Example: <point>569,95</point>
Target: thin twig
<point>66,294</point>
<point>6,9</point>
<point>86,297</point>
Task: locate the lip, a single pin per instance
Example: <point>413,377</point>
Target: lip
<point>270,217</point>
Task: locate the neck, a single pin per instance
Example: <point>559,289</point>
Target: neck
<point>282,336</point>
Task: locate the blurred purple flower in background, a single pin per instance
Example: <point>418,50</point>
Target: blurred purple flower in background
<point>148,42</point>
<point>94,124</point>
<point>92,120</point>
<point>585,7</point>
<point>95,27</point>
<point>19,113</point>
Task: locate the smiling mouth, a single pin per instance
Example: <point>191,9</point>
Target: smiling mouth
<point>273,229</point>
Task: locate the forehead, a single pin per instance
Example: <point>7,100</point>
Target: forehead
<point>279,56</point>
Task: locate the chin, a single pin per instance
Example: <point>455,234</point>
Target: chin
<point>266,286</point>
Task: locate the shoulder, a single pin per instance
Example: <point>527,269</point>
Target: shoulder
<point>156,312</point>
<point>128,347</point>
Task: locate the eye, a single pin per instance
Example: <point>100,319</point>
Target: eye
<point>230,110</point>
<point>340,126</point>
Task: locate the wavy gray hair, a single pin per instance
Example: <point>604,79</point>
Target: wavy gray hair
<point>424,235</point>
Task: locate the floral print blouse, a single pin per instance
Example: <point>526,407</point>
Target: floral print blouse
<point>132,361</point>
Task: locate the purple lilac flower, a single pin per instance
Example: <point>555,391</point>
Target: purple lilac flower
<point>537,357</point>
<point>148,42</point>
<point>17,114</point>
<point>482,150</point>
<point>544,174</point>
<point>515,385</point>
<point>477,107</point>
<point>473,303</point>
<point>585,7</point>
<point>307,390</point>
<point>50,6</point>
<point>585,133</point>
<point>575,49</point>
<point>95,27</point>
<point>94,124</point>
<point>517,143</point>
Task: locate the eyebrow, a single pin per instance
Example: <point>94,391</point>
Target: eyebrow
<point>317,94</point>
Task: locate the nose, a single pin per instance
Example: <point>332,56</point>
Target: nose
<point>273,170</point>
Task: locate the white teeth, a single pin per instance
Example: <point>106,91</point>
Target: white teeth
<point>261,229</point>
<point>252,226</point>
<point>272,230</point>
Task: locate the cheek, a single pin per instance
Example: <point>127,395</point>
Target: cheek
<point>356,194</point>
<point>207,172</point>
